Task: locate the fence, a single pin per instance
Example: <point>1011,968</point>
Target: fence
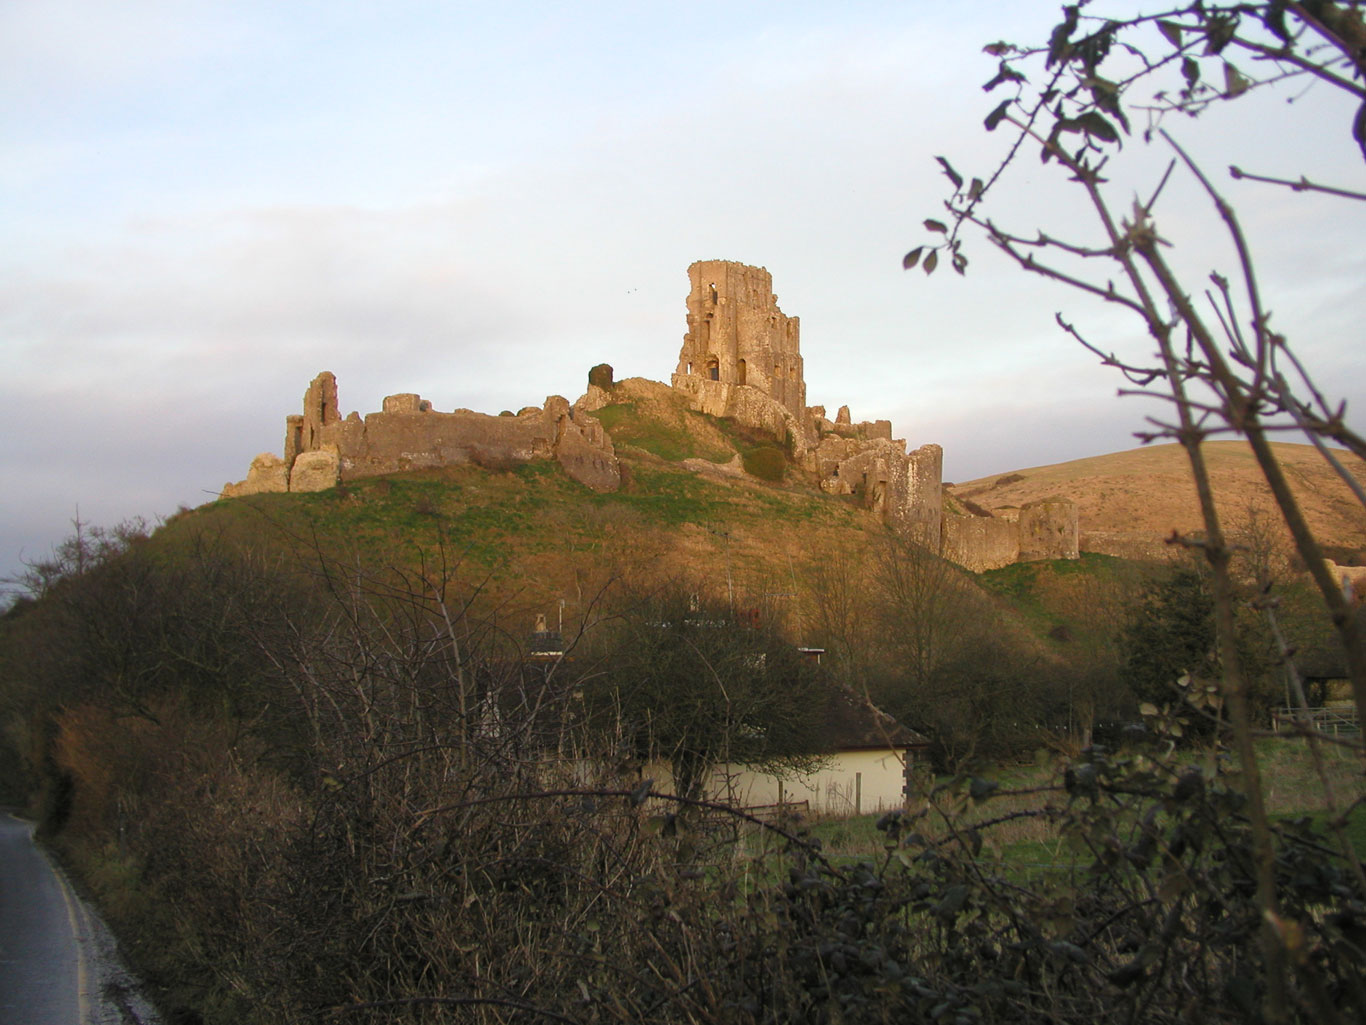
<point>1333,721</point>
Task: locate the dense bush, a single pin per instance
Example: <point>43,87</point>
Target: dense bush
<point>345,795</point>
<point>767,462</point>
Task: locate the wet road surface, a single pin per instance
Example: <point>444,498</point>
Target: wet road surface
<point>59,965</point>
<point>43,976</point>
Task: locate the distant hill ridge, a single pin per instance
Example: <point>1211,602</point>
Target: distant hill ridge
<point>1128,502</point>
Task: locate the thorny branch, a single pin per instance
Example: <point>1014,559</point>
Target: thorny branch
<point>1247,386</point>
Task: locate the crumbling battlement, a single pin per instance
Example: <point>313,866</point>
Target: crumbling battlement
<point>737,337</point>
<point>1035,531</point>
<point>980,543</point>
<point>322,448</point>
<point>1048,530</point>
<point>903,488</point>
<point>741,359</point>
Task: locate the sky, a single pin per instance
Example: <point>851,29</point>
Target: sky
<point>205,203</point>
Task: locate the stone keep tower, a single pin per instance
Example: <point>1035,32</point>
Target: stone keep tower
<point>737,336</point>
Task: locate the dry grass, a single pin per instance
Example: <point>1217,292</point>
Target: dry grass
<point>1138,497</point>
<point>1014,826</point>
<point>1293,786</point>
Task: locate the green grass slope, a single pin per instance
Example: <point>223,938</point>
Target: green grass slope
<point>535,531</point>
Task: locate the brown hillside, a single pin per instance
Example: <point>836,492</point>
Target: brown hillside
<point>1128,502</point>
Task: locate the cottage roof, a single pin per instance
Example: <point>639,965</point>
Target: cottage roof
<point>852,722</point>
<point>545,642</point>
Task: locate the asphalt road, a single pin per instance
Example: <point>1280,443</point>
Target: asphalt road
<point>44,979</point>
<point>58,963</point>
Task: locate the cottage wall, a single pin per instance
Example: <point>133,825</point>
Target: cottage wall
<point>865,782</point>
<point>874,779</point>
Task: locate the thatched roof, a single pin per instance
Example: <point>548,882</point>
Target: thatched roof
<point>853,723</point>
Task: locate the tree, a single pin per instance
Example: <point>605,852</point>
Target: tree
<point>691,682</point>
<point>1220,365</point>
<point>988,701</point>
<point>1090,603</point>
<point>1171,635</point>
<point>926,609</point>
<point>838,612</point>
<point>1222,370</point>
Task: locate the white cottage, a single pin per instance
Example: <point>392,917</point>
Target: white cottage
<point>868,766</point>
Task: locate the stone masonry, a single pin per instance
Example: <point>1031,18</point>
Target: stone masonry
<point>322,448</point>
<point>1038,530</point>
<point>737,337</point>
<point>741,359</point>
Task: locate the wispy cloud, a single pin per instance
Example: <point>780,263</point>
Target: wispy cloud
<point>208,203</point>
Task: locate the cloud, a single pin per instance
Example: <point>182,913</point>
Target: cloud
<point>214,202</point>
<point>88,44</point>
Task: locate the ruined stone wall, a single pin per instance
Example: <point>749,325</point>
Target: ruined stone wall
<point>320,411</point>
<point>873,472</point>
<point>747,406</point>
<point>980,543</point>
<point>1035,531</point>
<point>1127,545</point>
<point>923,504</point>
<point>740,359</point>
<point>321,448</point>
<point>903,489</point>
<point>267,473</point>
<point>738,337</point>
<point>1048,530</point>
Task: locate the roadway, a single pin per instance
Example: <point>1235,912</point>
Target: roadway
<point>58,965</point>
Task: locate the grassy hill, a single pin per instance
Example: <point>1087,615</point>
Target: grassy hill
<point>255,767</point>
<point>687,508</point>
<point>705,500</point>
<point>1127,502</point>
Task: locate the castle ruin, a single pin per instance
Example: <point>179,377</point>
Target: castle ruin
<point>738,339</point>
<point>322,448</point>
<point>741,359</point>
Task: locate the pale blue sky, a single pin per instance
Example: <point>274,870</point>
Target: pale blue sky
<point>206,203</point>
